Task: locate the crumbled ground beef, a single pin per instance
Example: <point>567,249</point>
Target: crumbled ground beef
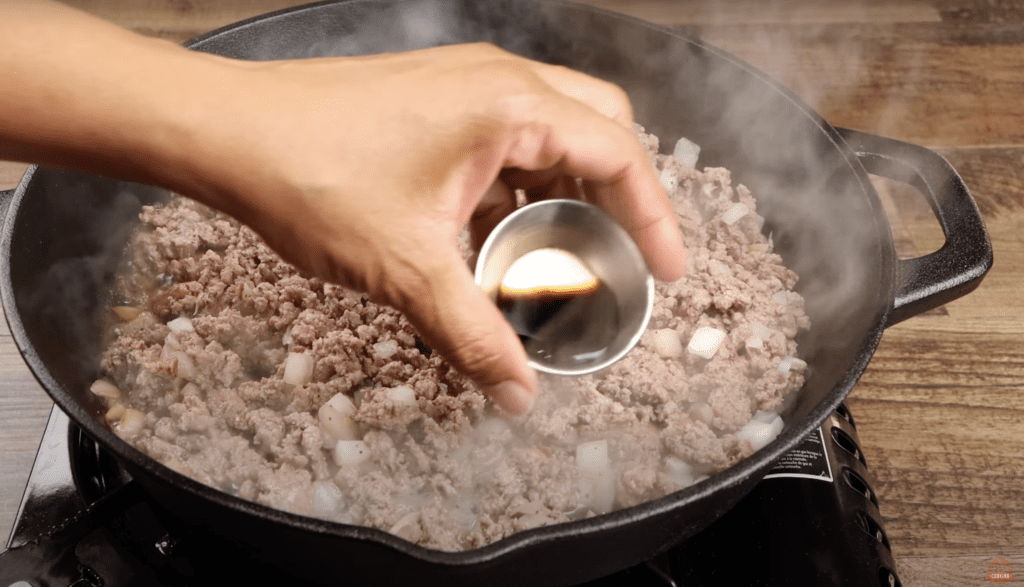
<point>447,469</point>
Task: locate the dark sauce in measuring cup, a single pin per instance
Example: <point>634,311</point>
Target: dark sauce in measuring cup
<point>564,318</point>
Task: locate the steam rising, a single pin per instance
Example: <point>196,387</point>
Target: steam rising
<point>820,221</point>
<point>815,208</point>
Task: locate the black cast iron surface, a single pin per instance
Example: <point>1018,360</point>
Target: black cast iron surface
<point>64,232</point>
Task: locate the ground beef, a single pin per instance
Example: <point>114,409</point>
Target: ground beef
<point>441,466</point>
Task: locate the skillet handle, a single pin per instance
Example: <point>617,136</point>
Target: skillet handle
<point>955,269</point>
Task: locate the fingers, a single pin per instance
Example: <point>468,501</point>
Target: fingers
<point>498,202</point>
<point>564,137</point>
<point>459,321</point>
<point>604,97</point>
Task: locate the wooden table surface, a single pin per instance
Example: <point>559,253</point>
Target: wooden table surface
<point>940,410</point>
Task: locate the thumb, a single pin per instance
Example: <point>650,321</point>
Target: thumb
<point>458,320</point>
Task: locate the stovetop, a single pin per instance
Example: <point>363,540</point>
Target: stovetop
<point>813,520</point>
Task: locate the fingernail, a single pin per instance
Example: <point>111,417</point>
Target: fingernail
<point>511,396</point>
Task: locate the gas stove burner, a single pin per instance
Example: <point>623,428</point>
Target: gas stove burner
<point>813,520</point>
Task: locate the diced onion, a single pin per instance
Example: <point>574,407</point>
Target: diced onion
<point>171,342</point>
<point>789,363</point>
<point>781,298</point>
<point>705,341</point>
<point>105,389</point>
<point>386,349</point>
<point>754,342</point>
<point>678,471</point>
<point>593,456</point>
<point>758,433</point>
<point>408,527</point>
<point>760,330</point>
<point>350,452</point>
<point>114,413</point>
<point>403,394</point>
<point>667,343</point>
<point>343,404</point>
<point>668,181</point>
<point>738,210</point>
<point>336,424</point>
<point>298,369</point>
<point>326,496</point>
<point>686,152</point>
<point>327,440</point>
<point>130,424</point>
<point>127,313</point>
<point>181,324</point>
<point>597,490</point>
<point>184,366</point>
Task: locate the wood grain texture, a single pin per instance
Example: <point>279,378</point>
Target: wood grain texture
<point>940,410</point>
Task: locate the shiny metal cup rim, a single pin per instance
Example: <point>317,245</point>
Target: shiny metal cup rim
<point>609,231</point>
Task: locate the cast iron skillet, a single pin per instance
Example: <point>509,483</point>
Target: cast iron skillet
<point>64,231</point>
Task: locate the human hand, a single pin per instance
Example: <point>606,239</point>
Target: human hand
<point>364,170</point>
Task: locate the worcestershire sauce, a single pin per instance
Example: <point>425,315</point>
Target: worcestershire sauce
<point>563,313</point>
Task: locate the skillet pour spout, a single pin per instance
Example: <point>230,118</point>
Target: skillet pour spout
<point>64,231</point>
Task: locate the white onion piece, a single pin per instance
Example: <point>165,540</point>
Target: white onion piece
<point>184,366</point>
<point>754,342</point>
<point>668,181</point>
<point>350,452</point>
<point>131,423</point>
<point>127,313</point>
<point>667,343</point>
<point>171,342</point>
<point>338,425</point>
<point>679,471</point>
<point>114,413</point>
<point>593,456</point>
<point>686,152</point>
<point>386,349</point>
<point>777,425</point>
<point>462,513</point>
<point>789,363</point>
<point>105,389</point>
<point>781,298</point>
<point>732,215</point>
<point>760,330</point>
<point>326,497</point>
<point>408,527</point>
<point>343,404</point>
<point>597,490</point>
<point>764,417</point>
<point>181,324</point>
<point>705,341</point>
<point>327,441</point>
<point>298,369</point>
<point>286,338</point>
<point>403,394</point>
<point>757,433</point>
